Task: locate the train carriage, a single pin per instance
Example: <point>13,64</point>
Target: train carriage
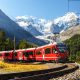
<point>45,53</point>
<point>56,52</point>
<point>13,55</point>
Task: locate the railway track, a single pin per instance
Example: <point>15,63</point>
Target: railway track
<point>42,74</point>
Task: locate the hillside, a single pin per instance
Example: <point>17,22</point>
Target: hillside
<point>74,47</point>
<point>7,44</point>
<point>70,32</point>
<point>13,29</point>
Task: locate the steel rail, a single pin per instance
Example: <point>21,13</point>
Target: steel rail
<point>41,74</point>
<point>49,75</point>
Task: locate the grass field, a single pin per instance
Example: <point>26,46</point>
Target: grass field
<point>19,67</point>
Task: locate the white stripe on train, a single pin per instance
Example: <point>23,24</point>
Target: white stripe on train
<point>48,57</point>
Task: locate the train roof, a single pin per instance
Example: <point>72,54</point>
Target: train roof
<point>51,44</point>
<point>17,50</point>
<point>6,51</point>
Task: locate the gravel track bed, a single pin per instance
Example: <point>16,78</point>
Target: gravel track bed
<point>71,76</point>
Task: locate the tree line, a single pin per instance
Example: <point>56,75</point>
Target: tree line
<point>8,44</point>
<point>74,47</point>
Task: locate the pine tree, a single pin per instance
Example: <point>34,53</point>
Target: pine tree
<point>74,47</point>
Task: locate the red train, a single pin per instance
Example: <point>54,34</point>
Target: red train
<point>50,52</point>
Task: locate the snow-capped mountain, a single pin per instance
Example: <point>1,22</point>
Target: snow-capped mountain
<point>34,25</point>
<point>45,27</point>
<point>63,23</point>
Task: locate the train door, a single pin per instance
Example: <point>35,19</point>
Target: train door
<point>25,55</point>
<point>39,54</point>
<point>20,55</point>
<point>30,55</point>
<point>47,54</point>
<point>55,53</point>
<point>8,55</point>
<point>15,55</point>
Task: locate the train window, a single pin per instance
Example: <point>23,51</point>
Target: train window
<point>38,52</point>
<point>6,54</point>
<point>47,51</point>
<point>62,49</point>
<point>54,50</point>
<point>28,53</point>
<point>25,54</point>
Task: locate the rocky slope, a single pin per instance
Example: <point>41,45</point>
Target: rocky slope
<point>70,32</point>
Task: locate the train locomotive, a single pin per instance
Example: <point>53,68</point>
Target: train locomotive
<point>50,52</point>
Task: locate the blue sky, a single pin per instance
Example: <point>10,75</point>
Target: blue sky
<point>48,9</point>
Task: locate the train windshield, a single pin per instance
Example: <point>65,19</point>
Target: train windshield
<point>62,48</point>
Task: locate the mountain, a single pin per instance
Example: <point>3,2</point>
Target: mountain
<point>33,25</point>
<point>28,26</point>
<point>43,27</point>
<point>33,30</point>
<point>61,24</point>
<point>13,29</point>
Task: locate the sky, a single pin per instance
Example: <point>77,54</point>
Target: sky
<point>48,9</point>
